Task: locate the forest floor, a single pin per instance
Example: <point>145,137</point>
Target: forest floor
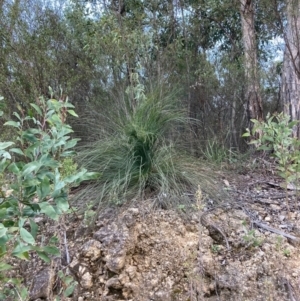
<point>244,248</point>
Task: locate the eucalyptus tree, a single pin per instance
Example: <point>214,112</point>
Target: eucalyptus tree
<point>38,50</point>
<point>252,91</point>
<point>290,89</point>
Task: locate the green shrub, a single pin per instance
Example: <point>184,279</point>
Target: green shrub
<point>43,149</point>
<point>276,136</point>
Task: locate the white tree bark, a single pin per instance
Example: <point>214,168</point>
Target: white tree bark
<point>252,93</point>
<point>290,89</point>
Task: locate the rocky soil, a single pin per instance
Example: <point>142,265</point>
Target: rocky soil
<point>245,248</point>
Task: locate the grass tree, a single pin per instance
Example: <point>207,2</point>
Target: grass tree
<point>138,149</point>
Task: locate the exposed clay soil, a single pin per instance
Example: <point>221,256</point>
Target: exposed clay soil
<point>139,253</point>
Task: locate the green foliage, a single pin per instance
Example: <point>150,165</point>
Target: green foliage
<point>251,239</point>
<point>68,286</point>
<point>217,153</point>
<point>137,152</point>
<point>13,288</point>
<point>43,141</point>
<point>215,248</point>
<point>276,135</point>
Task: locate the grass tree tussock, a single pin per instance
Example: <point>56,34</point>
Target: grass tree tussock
<point>138,150</point>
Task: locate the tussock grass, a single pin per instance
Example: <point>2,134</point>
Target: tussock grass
<point>137,151</point>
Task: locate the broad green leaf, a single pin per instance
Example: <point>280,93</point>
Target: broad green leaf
<point>2,254</point>
<point>51,250</point>
<point>3,164</point>
<point>22,255</point>
<point>38,110</point>
<point>28,136</point>
<point>3,240</point>
<point>58,144</point>
<point>62,203</point>
<point>247,134</point>
<point>265,148</point>
<point>2,213</point>
<point>21,222</point>
<point>4,145</point>
<point>21,251</point>
<point>59,185</point>
<point>31,182</point>
<point>71,143</point>
<point>17,115</point>
<point>68,154</point>
<point>17,151</point>
<point>5,154</point>
<point>68,105</point>
<point>72,112</point>
<point>13,167</point>
<point>43,189</point>
<point>68,280</point>
<point>26,236</point>
<point>44,256</point>
<point>4,266</point>
<point>47,209</point>
<point>69,290</point>
<point>12,229</point>
<point>30,167</point>
<point>64,131</point>
<point>3,230</point>
<point>12,123</point>
<point>76,177</point>
<point>33,228</point>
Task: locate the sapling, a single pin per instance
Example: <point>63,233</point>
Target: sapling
<point>36,160</point>
<point>276,135</point>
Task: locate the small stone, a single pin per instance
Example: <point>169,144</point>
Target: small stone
<point>91,250</point>
<point>115,264</point>
<point>281,217</point>
<point>86,280</point>
<point>275,207</point>
<point>80,299</point>
<point>267,218</point>
<point>131,271</point>
<point>212,287</point>
<point>114,283</point>
<point>161,296</point>
<point>123,278</point>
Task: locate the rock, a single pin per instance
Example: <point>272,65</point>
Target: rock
<point>115,264</point>
<point>131,271</point>
<point>123,278</point>
<point>114,283</point>
<point>162,296</point>
<point>42,284</point>
<point>130,217</point>
<point>91,250</point>
<point>81,270</point>
<point>117,241</point>
<point>86,280</point>
<point>275,207</point>
<point>267,218</point>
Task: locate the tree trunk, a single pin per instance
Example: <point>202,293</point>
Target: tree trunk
<point>290,89</point>
<point>252,93</point>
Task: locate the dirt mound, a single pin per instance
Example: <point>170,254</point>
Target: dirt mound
<point>140,254</point>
